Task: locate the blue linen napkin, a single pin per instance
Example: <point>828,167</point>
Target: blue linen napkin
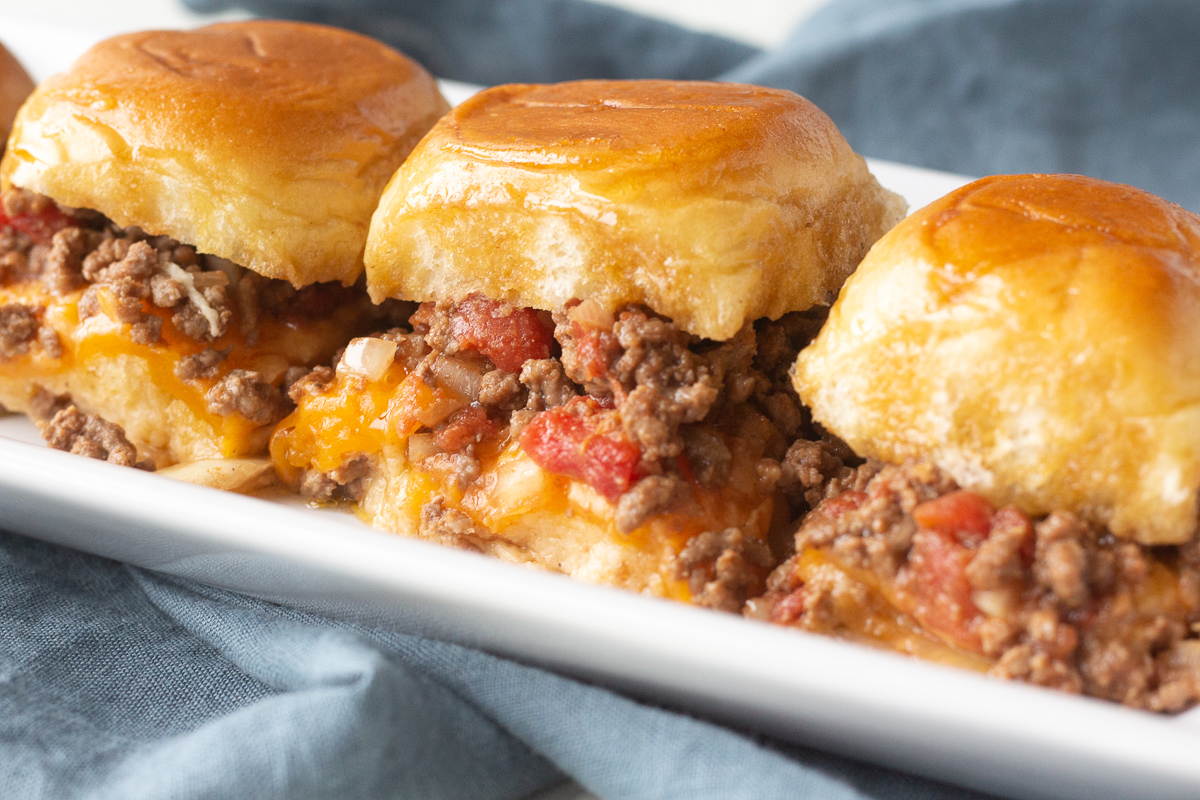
<point>119,683</point>
<point>116,683</point>
<point>1107,88</point>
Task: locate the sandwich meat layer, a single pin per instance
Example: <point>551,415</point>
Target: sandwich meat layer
<point>615,277</point>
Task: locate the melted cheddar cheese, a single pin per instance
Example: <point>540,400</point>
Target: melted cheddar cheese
<point>523,512</point>
<point>91,345</point>
<point>871,614</point>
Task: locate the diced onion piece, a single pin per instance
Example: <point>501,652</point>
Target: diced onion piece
<point>203,280</point>
<point>584,497</point>
<point>188,280</point>
<point>437,411</point>
<point>996,602</point>
<point>757,608</point>
<point>520,486</point>
<point>590,314</point>
<point>421,446</point>
<point>367,357</point>
<point>228,474</point>
<point>458,377</point>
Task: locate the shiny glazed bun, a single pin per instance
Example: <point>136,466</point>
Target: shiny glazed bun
<point>1038,337</point>
<point>712,203</point>
<point>15,86</point>
<point>266,143</point>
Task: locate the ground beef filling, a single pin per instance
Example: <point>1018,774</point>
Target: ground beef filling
<point>627,403</point>
<point>1053,601</point>
<point>145,282</point>
<point>83,434</point>
<point>650,388</point>
<point>18,329</point>
<point>724,569</point>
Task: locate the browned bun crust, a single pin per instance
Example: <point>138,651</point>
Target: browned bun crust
<point>15,86</point>
<point>266,143</point>
<point>1038,337</point>
<point>712,203</point>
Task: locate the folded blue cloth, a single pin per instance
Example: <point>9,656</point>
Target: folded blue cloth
<point>505,41</point>
<point>119,683</point>
<point>1107,88</point>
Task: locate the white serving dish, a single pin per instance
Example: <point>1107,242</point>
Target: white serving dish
<point>951,725</point>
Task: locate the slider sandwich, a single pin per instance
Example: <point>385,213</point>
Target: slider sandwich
<point>615,278</point>
<point>15,86</point>
<point>1020,363</point>
<point>182,226</point>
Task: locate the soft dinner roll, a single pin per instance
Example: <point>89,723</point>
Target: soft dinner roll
<point>15,86</point>
<point>265,143</point>
<point>181,231</point>
<point>712,203</point>
<point>552,401</point>
<point>1037,337</point>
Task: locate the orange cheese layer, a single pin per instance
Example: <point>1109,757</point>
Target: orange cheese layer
<point>880,615</point>
<point>874,617</point>
<point>279,345</point>
<point>374,418</point>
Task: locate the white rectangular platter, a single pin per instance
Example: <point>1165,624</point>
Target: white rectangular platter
<point>1008,739</point>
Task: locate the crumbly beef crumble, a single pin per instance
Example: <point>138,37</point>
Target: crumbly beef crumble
<point>659,395</point>
<point>724,569</point>
<point>18,329</point>
<point>655,389</point>
<point>145,282</point>
<point>451,527</point>
<point>1053,601</point>
<point>88,435</point>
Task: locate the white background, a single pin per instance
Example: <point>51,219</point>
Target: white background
<point>761,22</point>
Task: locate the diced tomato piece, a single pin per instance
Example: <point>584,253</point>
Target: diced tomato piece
<point>961,514</point>
<point>39,227</point>
<point>597,350</point>
<point>466,426</point>
<point>849,500</point>
<point>508,336</point>
<point>422,318</point>
<point>937,581</point>
<point>582,441</point>
<point>789,609</point>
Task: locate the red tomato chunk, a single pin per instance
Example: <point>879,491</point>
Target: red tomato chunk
<point>39,227</point>
<point>937,581</point>
<point>465,427</point>
<point>508,336</point>
<point>962,514</point>
<point>596,350</point>
<point>848,500</point>
<point>583,441</point>
<point>789,608</point>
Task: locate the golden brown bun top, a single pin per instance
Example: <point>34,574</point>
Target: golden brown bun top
<point>15,86</point>
<point>267,143</point>
<point>1038,336</point>
<point>1055,213</point>
<point>713,203</point>
<point>600,124</point>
